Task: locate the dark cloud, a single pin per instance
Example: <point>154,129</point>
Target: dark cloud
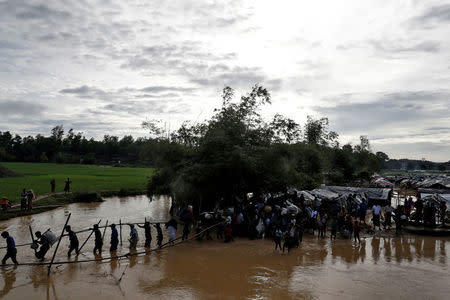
<point>433,15</point>
<point>385,110</point>
<point>85,91</point>
<point>238,77</point>
<point>160,89</point>
<point>155,107</point>
<point>9,45</point>
<point>27,11</point>
<point>20,108</point>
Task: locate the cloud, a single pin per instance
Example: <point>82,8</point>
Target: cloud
<point>433,15</point>
<point>20,108</point>
<point>404,116</point>
<point>124,94</point>
<point>401,47</point>
<point>238,77</point>
<point>25,10</point>
<point>159,89</point>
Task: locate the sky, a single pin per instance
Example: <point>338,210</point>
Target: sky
<point>379,68</point>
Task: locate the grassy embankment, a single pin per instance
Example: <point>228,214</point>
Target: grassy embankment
<point>105,180</point>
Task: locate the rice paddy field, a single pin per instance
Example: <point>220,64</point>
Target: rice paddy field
<point>85,178</point>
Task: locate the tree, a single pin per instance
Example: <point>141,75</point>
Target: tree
<point>316,132</point>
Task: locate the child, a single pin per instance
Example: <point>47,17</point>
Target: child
<point>277,238</point>
<point>333,228</point>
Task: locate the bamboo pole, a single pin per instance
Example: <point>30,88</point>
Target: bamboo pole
<point>120,229</point>
<point>104,231</point>
<point>90,234</point>
<point>32,237</point>
<point>57,245</point>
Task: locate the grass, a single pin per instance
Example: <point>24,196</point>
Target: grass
<point>85,178</point>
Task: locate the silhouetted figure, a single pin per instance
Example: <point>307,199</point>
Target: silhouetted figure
<point>11,250</point>
<point>277,238</point>
<point>187,217</point>
<point>45,245</point>
<point>148,234</point>
<point>23,200</point>
<point>114,238</point>
<point>74,244</point>
<point>356,231</point>
<point>53,185</point>
<point>419,210</point>
<point>160,236</point>
<point>98,240</point>
<point>67,185</point>
<point>30,199</point>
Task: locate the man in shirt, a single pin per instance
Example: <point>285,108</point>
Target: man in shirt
<point>376,211</point>
<point>114,238</point>
<point>11,250</point>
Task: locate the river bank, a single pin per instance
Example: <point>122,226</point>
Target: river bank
<point>51,201</point>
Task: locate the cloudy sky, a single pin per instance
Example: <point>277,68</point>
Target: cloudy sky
<point>379,68</point>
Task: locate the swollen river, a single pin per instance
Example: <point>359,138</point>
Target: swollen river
<point>407,267</point>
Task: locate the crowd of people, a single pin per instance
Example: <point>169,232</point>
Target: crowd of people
<point>283,218</point>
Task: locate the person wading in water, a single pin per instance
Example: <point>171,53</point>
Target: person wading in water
<point>134,238</point>
<point>11,250</point>
<point>45,245</point>
<point>73,241</point>
<point>98,240</point>
<point>160,236</point>
<point>148,233</point>
<point>114,238</point>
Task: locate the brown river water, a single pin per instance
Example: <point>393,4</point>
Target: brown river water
<point>407,267</point>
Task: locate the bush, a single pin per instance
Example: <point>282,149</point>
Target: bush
<point>86,197</point>
<point>89,159</point>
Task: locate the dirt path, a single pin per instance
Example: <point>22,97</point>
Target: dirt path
<point>40,197</point>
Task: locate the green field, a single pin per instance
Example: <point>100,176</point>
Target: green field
<point>37,176</point>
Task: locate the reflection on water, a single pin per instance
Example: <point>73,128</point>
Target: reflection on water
<point>211,269</point>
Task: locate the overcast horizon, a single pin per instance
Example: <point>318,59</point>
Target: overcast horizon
<point>375,68</point>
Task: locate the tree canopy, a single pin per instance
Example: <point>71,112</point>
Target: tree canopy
<point>236,151</point>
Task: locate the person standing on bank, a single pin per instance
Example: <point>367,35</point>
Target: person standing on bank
<point>23,200</point>
<point>11,251</point>
<point>67,185</point>
<point>73,241</point>
<point>30,199</point>
<point>53,185</point>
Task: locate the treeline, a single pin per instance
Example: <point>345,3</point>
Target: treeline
<point>227,156</point>
<point>411,164</point>
<point>71,148</point>
<point>237,151</point>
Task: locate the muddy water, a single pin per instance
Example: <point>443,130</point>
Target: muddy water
<point>409,267</point>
